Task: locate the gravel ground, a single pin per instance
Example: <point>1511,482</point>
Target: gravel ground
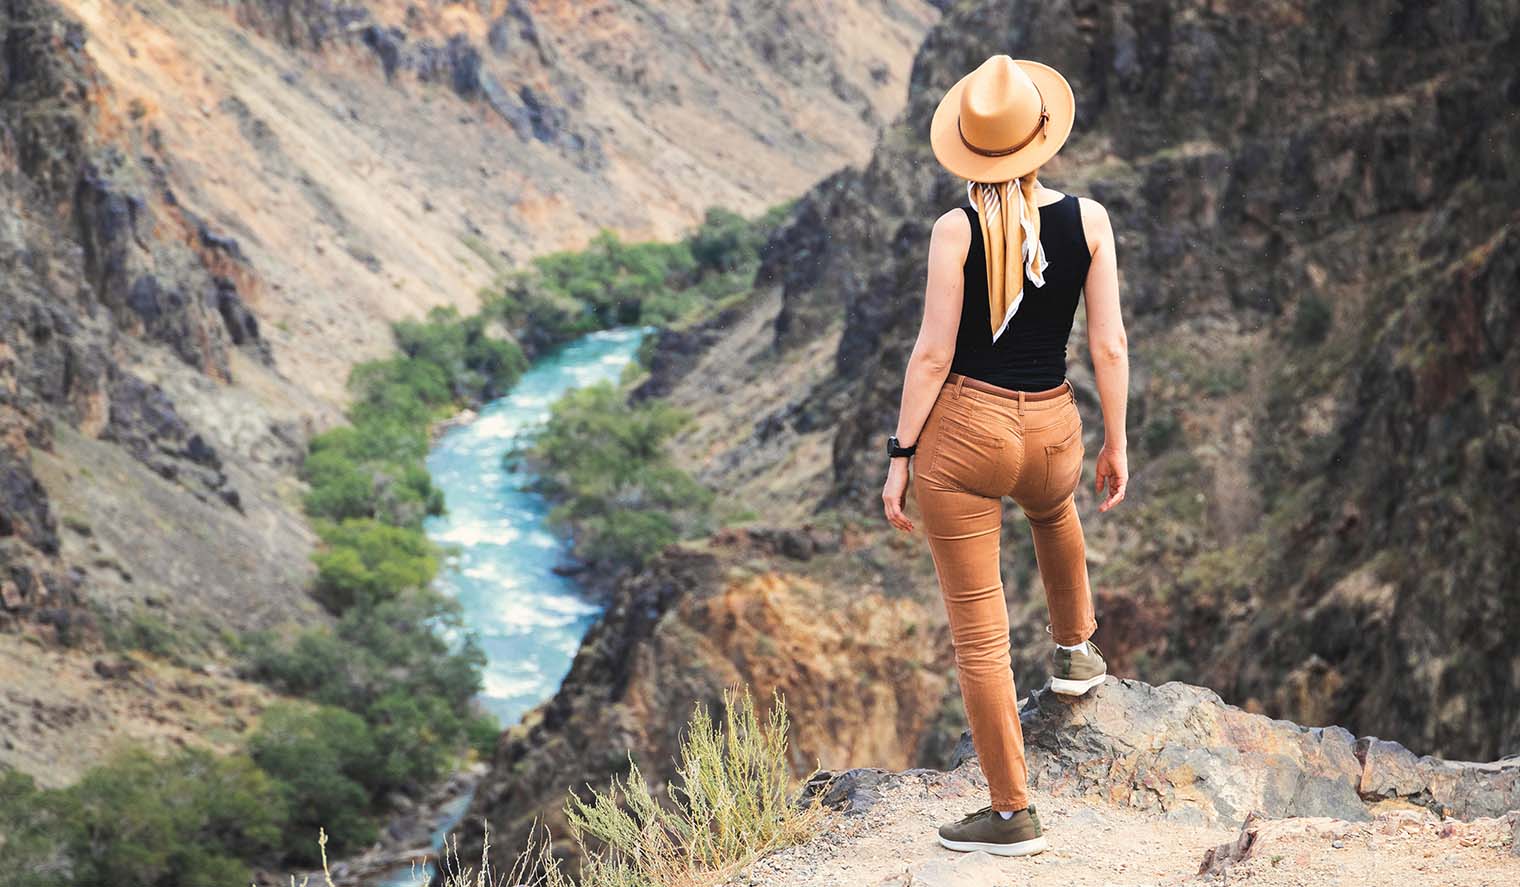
<point>1096,844</point>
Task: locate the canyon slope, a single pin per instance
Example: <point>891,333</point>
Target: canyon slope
<point>1318,210</point>
<point>212,210</point>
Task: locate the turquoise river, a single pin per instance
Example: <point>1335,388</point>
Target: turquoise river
<point>528,618</point>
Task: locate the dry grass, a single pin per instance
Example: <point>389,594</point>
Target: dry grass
<point>729,802</point>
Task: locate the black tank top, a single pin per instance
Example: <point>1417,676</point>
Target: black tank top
<point>1030,355</point>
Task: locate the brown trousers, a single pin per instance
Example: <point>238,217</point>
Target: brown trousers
<point>977,447</point>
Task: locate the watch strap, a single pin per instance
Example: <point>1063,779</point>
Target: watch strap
<point>896,450</point>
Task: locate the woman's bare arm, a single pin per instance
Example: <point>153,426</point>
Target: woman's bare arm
<point>1109,348</point>
<point>929,363</point>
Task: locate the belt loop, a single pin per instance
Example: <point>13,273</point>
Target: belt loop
<point>960,382</point>
<point>1021,403</point>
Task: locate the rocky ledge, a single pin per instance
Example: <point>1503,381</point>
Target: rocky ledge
<point>1181,752</point>
<point>1144,784</point>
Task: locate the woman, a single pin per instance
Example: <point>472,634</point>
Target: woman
<point>988,411</point>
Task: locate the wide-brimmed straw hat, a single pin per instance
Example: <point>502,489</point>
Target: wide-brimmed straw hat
<point>1002,120</point>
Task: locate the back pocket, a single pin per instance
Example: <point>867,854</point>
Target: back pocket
<point>1063,465</point>
<point>963,451</point>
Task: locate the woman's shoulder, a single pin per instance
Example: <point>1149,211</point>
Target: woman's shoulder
<point>1096,227</point>
<point>952,234</point>
<point>954,223</point>
<point>1091,208</point>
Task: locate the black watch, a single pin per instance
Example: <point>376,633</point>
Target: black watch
<point>895,449</point>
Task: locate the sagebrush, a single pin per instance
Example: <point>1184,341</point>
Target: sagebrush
<point>731,800</point>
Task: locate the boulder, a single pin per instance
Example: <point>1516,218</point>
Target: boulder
<point>1462,789</point>
<point>1184,751</point>
<point>853,791</point>
<point>1180,750</point>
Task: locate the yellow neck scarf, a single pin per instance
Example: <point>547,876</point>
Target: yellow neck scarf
<point>1008,235</point>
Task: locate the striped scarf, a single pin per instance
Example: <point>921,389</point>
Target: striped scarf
<point>1000,240</point>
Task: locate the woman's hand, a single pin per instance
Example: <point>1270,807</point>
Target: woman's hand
<point>895,494</point>
<point>1113,471</point>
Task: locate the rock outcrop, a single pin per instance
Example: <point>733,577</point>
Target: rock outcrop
<point>1167,784</point>
<point>1452,788</point>
<point>1181,753</point>
<point>108,284</point>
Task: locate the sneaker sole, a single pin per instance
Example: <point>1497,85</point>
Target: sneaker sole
<point>1075,688</point>
<point>1022,848</point>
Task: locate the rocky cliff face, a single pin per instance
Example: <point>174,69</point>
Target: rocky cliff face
<point>212,210</point>
<point>1316,211</point>
<point>114,294</point>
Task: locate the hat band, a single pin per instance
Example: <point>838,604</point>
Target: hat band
<point>1038,129</point>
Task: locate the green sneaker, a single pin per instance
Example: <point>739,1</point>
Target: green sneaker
<point>1018,835</point>
<point>1073,673</point>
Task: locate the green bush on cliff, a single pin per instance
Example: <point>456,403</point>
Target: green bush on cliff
<point>191,818</point>
<point>396,664</point>
<point>476,366</point>
<point>370,472</point>
<point>612,283</point>
<point>366,562</point>
<point>320,759</point>
<point>605,461</point>
<point>30,852</point>
<point>373,468</point>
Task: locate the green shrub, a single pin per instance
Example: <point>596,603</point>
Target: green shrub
<point>476,366</point>
<point>191,819</point>
<point>341,487</point>
<point>727,242</point>
<point>605,460</point>
<point>367,562</point>
<point>483,731</point>
<point>31,835</point>
<point>611,283</point>
<point>1162,432</point>
<point>139,629</point>
<point>396,665</point>
<point>374,468</point>
<point>398,390</point>
<point>320,759</point>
